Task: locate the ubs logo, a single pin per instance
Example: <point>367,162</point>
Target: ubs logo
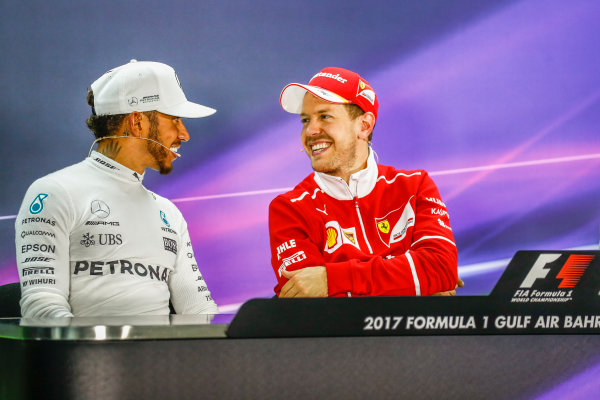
<point>100,209</point>
<point>133,101</point>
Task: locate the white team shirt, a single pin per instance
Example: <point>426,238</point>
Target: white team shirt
<point>92,240</point>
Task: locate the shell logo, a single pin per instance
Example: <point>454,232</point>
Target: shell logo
<point>332,236</point>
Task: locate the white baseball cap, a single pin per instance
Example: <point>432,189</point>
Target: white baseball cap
<point>144,86</point>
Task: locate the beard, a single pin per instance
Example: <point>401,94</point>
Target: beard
<point>342,160</point>
<point>160,154</point>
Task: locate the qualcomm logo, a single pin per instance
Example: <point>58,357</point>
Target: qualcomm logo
<point>163,216</point>
<point>37,205</point>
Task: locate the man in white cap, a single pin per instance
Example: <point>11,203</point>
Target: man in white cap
<point>355,227</point>
<point>91,240</point>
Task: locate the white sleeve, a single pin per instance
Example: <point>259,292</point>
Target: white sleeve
<point>42,246</point>
<point>189,293</point>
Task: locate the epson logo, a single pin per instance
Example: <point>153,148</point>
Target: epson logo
<point>38,270</point>
<point>44,248</point>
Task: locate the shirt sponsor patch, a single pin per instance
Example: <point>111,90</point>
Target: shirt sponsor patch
<point>100,209</point>
<point>400,219</point>
<point>37,205</point>
<point>336,236</point>
<point>294,258</point>
<point>170,245</point>
<point>38,270</point>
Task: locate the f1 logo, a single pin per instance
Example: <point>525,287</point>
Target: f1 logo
<point>538,271</point>
<point>570,273</point>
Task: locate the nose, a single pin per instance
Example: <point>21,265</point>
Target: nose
<point>183,133</point>
<point>312,127</point>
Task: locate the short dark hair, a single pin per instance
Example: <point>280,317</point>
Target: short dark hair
<point>106,125</point>
<point>102,125</point>
<point>354,112</point>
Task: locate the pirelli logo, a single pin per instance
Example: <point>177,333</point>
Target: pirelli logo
<point>38,270</point>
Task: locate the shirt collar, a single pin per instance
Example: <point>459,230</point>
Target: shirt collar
<point>112,167</point>
<point>360,184</point>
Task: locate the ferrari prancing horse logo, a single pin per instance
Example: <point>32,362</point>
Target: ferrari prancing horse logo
<point>384,226</point>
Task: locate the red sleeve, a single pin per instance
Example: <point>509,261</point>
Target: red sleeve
<point>293,242</point>
<point>429,266</point>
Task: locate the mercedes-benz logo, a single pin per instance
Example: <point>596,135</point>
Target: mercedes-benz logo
<point>133,101</point>
<point>100,209</point>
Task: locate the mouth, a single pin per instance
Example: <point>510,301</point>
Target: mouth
<point>175,151</point>
<point>319,147</point>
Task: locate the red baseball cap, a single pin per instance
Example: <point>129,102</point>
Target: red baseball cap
<point>336,85</point>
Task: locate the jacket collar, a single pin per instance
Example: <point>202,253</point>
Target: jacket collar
<point>360,184</point>
<point>112,167</point>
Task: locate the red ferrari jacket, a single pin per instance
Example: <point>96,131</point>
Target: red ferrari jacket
<point>385,233</point>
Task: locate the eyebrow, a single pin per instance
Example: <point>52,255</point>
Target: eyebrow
<point>326,109</point>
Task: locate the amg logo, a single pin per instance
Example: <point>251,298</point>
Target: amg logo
<point>102,223</point>
<point>38,270</point>
<point>170,245</point>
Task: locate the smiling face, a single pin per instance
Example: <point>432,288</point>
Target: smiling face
<point>169,131</point>
<point>335,143</point>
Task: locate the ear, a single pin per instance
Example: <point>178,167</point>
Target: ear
<point>367,123</point>
<point>134,123</point>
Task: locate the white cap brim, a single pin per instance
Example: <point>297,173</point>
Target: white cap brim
<point>188,110</point>
<point>292,96</point>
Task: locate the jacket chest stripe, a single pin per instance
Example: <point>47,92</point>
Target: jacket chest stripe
<point>362,226</point>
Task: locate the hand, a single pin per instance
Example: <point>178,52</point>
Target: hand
<point>460,283</point>
<point>305,282</point>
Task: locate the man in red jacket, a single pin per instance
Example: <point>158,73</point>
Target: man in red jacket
<point>354,227</point>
